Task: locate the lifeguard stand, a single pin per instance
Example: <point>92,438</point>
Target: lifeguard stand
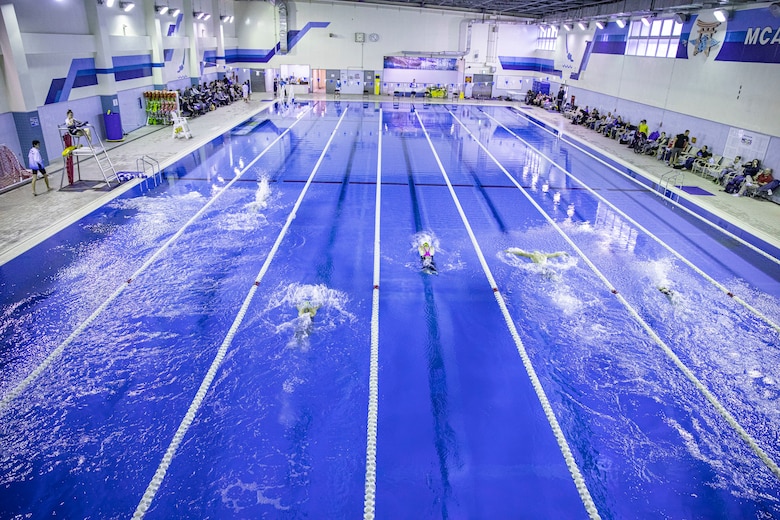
<point>81,146</point>
<point>181,128</point>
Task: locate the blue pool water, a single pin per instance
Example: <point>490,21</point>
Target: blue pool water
<point>155,361</point>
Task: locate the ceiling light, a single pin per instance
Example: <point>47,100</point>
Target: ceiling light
<point>175,11</point>
<point>198,15</point>
<point>582,25</point>
<point>721,15</point>
<point>600,24</point>
<point>646,21</point>
<point>226,19</point>
<point>206,16</point>
<point>109,3</point>
<point>620,23</point>
<point>162,9</point>
<point>126,6</point>
<point>567,26</point>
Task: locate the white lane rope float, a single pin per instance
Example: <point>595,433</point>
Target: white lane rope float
<point>54,354</point>
<point>200,395</point>
<point>571,463</point>
<point>728,292</point>
<point>713,400</point>
<point>369,498</point>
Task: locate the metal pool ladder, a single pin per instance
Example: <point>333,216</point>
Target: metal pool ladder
<point>670,178</point>
<point>141,165</point>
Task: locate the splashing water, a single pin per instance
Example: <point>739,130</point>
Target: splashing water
<point>315,308</point>
<point>550,265</point>
<point>262,196</point>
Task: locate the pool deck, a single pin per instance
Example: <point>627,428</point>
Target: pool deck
<point>26,220</point>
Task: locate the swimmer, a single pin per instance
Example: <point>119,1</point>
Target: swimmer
<point>426,257</point>
<point>307,308</point>
<point>666,292</point>
<point>536,257</point>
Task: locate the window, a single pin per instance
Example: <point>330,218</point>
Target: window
<point>660,39</point>
<point>548,36</point>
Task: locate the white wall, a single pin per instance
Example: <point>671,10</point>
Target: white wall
<point>399,29</point>
<point>42,17</point>
<point>131,108</point>
<point>9,137</point>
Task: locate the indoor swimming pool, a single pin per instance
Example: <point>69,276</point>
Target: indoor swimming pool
<point>255,337</point>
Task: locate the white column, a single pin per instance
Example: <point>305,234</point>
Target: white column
<point>17,73</point>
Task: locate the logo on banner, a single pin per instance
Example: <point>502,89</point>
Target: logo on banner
<point>705,39</point>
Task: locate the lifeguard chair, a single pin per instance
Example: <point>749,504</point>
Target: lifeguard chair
<point>92,147</point>
<point>181,128</point>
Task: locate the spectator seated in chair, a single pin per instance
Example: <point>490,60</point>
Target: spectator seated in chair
<point>626,136</point>
<point>703,154</point>
<point>751,186</point>
<point>749,170</point>
<point>767,189</point>
<point>598,125</point>
<point>654,141</point>
<point>727,170</point>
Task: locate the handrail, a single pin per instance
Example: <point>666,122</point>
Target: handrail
<point>672,177</point>
<point>142,162</point>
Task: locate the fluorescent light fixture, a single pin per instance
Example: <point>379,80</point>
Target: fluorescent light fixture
<point>109,3</point>
<point>161,9</point>
<point>567,26</point>
<point>175,11</point>
<point>126,6</point>
<point>582,25</point>
<point>206,16</point>
<point>721,15</point>
<point>646,21</point>
<point>620,23</point>
<point>600,24</point>
<point>198,15</point>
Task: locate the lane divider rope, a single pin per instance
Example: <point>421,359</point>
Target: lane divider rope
<point>369,499</point>
<point>677,255</point>
<point>571,463</point>
<point>54,354</point>
<point>181,431</point>
<point>713,400</point>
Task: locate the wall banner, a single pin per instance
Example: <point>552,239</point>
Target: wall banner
<point>420,63</point>
<point>752,36</point>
